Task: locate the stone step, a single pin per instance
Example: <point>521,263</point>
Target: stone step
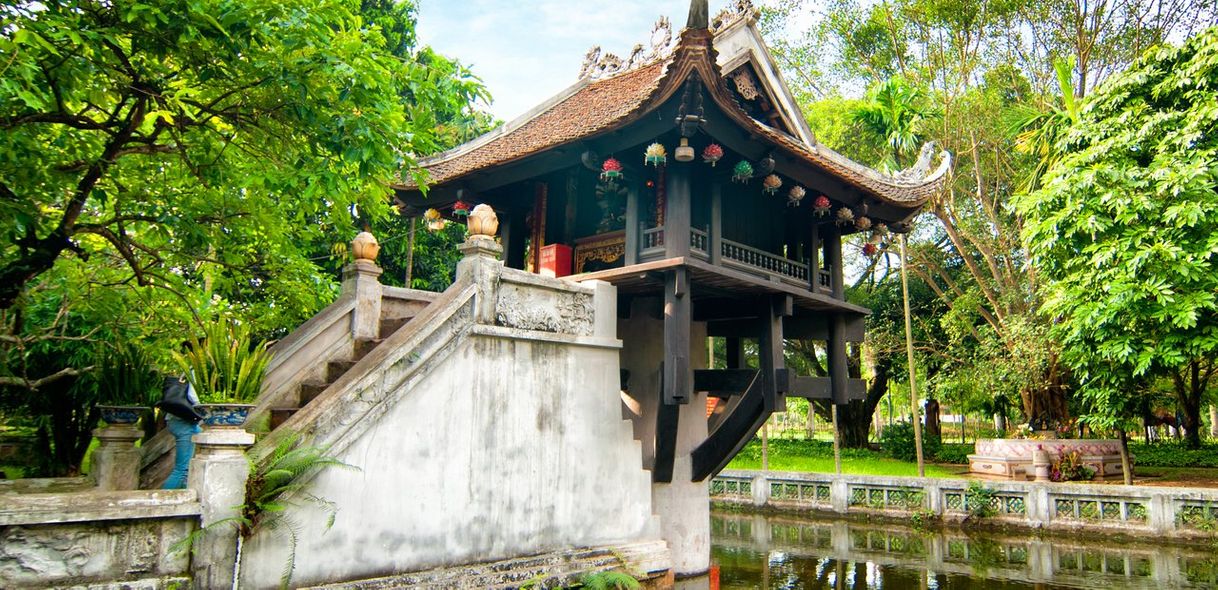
<point>281,415</point>
<point>391,325</point>
<point>309,390</point>
<point>363,347</point>
<point>335,369</point>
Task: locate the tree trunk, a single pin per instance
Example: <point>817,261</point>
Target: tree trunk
<point>932,426</point>
<point>1213,421</point>
<point>854,418</point>
<point>1189,384</point>
<point>1126,468</point>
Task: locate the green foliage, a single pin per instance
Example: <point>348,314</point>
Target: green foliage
<point>898,442</point>
<point>1174,454</point>
<point>126,376</point>
<point>895,112</point>
<point>225,366</point>
<point>1124,229</point>
<point>1069,467</point>
<point>609,580</point>
<point>979,499</point>
<point>954,453</point>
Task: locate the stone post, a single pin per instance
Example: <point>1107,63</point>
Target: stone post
<point>361,278</point>
<point>481,265</point>
<point>761,490</point>
<point>218,473</point>
<point>116,462</point>
<point>1041,464</point>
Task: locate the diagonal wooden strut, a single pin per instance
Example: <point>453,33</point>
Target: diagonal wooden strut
<point>742,419</point>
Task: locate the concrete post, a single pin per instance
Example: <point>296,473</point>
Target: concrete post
<point>218,473</point>
<point>116,461</point>
<point>481,266</point>
<point>761,490</point>
<point>839,494</point>
<point>361,278</point>
<point>1041,464</point>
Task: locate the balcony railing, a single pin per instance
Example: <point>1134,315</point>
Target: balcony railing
<point>703,245</point>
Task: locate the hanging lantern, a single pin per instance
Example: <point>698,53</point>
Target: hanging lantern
<point>880,229</point>
<point>870,249</point>
<point>611,171</point>
<point>862,223</point>
<point>655,155</point>
<point>433,220</point>
<point>845,216</point>
<point>771,184</point>
<point>712,153</point>
<point>461,209</point>
<point>795,195</point>
<point>743,171</point>
<point>821,206</point>
<point>683,153</point>
<point>875,238</point>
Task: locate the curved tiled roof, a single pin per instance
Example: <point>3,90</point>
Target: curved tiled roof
<point>592,107</point>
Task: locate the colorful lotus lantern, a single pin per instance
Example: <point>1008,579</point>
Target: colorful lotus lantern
<point>712,153</point>
<point>461,209</point>
<point>795,195</point>
<point>870,249</point>
<point>862,223</point>
<point>845,216</point>
<point>821,205</point>
<point>743,171</point>
<point>611,171</point>
<point>771,184</point>
<point>433,219</point>
<point>655,155</point>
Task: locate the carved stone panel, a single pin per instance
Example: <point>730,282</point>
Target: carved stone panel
<point>532,308</point>
<point>108,551</point>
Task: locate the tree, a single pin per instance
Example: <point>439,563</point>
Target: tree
<point>1125,232</point>
<point>197,138</point>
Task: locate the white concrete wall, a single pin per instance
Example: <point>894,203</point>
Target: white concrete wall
<point>513,445</point>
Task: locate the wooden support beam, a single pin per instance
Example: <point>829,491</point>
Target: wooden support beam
<point>734,352</point>
<point>821,388</point>
<point>678,377</point>
<point>769,353</point>
<point>723,382</point>
<point>838,368</point>
<point>803,327</point>
<point>742,419</point>
<point>667,422</point>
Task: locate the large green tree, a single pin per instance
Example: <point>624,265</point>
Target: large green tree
<point>197,136</point>
<point>1125,231</point>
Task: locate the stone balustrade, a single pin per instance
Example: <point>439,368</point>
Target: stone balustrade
<point>1177,512</point>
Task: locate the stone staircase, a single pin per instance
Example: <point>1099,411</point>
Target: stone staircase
<point>312,388</point>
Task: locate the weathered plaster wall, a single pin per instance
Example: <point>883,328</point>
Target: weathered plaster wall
<point>511,445</point>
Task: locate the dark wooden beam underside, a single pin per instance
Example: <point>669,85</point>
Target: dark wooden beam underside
<point>741,421</point>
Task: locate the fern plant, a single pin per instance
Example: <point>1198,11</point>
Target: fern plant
<point>125,376</point>
<point>609,580</point>
<point>225,366</point>
<point>275,485</point>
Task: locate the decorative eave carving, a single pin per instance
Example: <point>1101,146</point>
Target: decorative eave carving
<point>740,10</point>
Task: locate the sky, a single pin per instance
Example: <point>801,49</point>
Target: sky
<point>527,51</point>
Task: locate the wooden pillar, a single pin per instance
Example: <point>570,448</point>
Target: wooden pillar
<point>678,375</point>
<point>634,229</point>
<point>716,229</point>
<point>677,201</point>
<point>814,257</point>
<point>833,256</point>
<point>838,369</point>
<point>572,197</point>
<point>769,351</point>
<point>514,235</point>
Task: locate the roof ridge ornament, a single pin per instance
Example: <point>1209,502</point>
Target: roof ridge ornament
<point>598,65</point>
<point>741,9</point>
<point>920,168</point>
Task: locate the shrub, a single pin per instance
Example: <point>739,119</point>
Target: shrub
<point>955,453</point>
<point>898,442</point>
<point>1174,454</point>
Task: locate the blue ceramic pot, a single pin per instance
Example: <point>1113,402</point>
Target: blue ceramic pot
<point>121,414</point>
<point>219,415</point>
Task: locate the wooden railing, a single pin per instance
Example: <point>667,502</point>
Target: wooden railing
<point>699,242</point>
<point>652,241</point>
<point>753,259</point>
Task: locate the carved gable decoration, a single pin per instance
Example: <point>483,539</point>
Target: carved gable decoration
<point>745,84</point>
<point>599,65</point>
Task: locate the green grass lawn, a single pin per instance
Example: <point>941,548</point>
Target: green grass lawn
<point>817,457</point>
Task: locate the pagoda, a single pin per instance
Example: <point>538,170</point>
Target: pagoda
<point>686,176</point>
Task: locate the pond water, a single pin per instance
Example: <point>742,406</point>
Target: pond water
<point>813,552</point>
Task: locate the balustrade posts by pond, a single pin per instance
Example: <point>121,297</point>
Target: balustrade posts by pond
<point>218,472</point>
<point>116,461</point>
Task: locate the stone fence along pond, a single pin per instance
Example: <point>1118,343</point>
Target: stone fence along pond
<point>1162,511</point>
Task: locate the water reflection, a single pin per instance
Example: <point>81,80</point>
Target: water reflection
<point>756,551</point>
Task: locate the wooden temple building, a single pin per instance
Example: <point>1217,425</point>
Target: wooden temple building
<point>687,177</point>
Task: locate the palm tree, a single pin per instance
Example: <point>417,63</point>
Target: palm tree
<point>895,112</point>
<point>1037,132</point>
